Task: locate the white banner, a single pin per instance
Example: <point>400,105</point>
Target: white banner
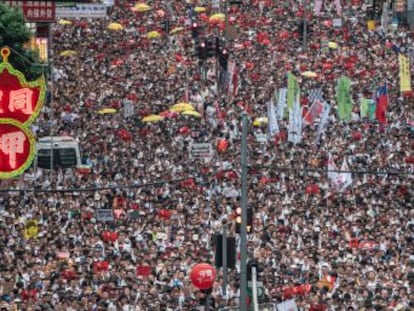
<point>323,122</point>
<point>288,305</point>
<point>295,123</point>
<point>281,103</point>
<point>82,11</point>
<point>271,118</point>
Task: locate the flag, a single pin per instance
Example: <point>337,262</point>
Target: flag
<point>293,90</point>
<point>271,118</point>
<point>281,103</point>
<point>317,6</point>
<point>315,94</point>
<point>332,171</point>
<point>345,178</point>
<point>343,99</point>
<point>314,112</point>
<point>405,74</point>
<point>287,305</point>
<point>31,229</point>
<point>295,123</point>
<point>381,103</point>
<point>323,122</point>
<point>368,107</point>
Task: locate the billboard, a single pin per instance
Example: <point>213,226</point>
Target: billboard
<point>35,11</point>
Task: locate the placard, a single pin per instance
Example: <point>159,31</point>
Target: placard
<point>201,151</point>
<point>105,215</point>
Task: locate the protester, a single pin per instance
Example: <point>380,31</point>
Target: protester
<point>328,246</point>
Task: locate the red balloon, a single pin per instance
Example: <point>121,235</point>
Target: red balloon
<point>203,275</point>
<point>284,34</point>
<point>328,23</point>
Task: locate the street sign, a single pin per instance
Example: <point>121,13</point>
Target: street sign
<point>35,11</point>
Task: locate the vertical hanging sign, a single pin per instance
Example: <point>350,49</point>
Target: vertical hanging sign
<point>20,104</point>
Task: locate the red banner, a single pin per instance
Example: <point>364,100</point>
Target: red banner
<point>35,11</point>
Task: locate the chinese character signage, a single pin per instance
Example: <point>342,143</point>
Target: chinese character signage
<point>35,11</point>
<point>20,104</point>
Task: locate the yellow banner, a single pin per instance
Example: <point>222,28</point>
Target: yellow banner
<point>405,75</point>
<point>31,229</point>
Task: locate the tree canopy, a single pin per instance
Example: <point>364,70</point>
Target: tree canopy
<point>14,33</point>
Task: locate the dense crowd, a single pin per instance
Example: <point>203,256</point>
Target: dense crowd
<point>327,249</point>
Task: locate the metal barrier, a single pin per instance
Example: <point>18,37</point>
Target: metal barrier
<point>262,307</point>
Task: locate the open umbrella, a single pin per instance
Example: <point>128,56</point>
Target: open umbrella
<point>115,26</point>
<point>64,22</point>
<point>332,45</point>
<point>180,107</point>
<point>199,9</point>
<point>68,53</point>
<point>309,74</point>
<point>218,17</point>
<point>142,7</point>
<point>152,118</point>
<point>176,30</point>
<point>260,121</point>
<point>153,34</point>
<point>106,111</point>
<point>192,113</point>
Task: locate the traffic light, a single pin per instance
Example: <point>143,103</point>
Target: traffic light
<point>252,263</point>
<point>194,30</point>
<point>211,48</point>
<point>202,51</point>
<point>231,251</point>
<point>223,58</point>
<point>238,212</point>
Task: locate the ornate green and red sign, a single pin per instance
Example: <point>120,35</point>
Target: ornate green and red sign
<point>20,104</point>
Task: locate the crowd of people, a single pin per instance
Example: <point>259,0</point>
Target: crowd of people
<point>326,249</point>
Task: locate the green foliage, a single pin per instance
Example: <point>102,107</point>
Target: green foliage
<point>15,34</point>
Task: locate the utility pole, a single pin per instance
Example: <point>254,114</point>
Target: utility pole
<point>224,258</point>
<point>50,60</point>
<point>305,24</point>
<point>243,227</point>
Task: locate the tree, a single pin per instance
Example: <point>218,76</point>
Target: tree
<point>15,34</point>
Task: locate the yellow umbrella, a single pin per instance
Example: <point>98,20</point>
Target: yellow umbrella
<point>68,53</point>
<point>153,34</point>
<point>106,111</point>
<point>260,121</point>
<point>176,30</point>
<point>192,113</point>
<point>115,26</point>
<point>217,17</point>
<point>180,107</point>
<point>199,9</point>
<point>309,74</point>
<point>142,7</point>
<point>64,22</point>
<point>332,45</point>
<point>152,118</point>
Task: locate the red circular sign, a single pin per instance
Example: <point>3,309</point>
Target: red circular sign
<point>203,275</point>
<point>17,148</point>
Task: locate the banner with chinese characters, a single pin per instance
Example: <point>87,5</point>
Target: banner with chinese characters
<point>405,74</point>
<point>35,11</point>
<point>20,104</point>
